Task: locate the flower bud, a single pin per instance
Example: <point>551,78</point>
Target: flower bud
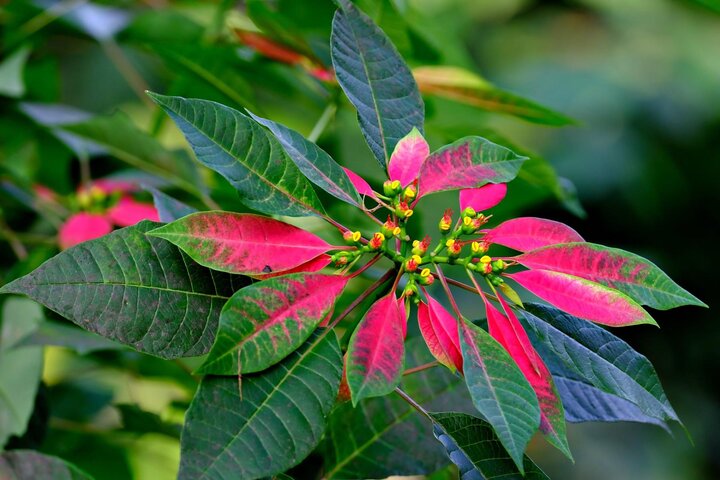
<point>498,265</point>
<point>376,242</point>
<point>409,193</point>
<point>403,210</point>
<point>454,247</point>
<point>479,247</point>
<point>485,259</point>
<point>446,221</point>
<point>496,280</point>
<point>410,290</point>
<point>485,268</point>
<point>412,263</point>
<point>469,212</point>
<point>419,248</point>
<point>389,227</point>
<point>391,187</point>
<point>426,278</point>
<point>351,237</point>
<point>468,225</point>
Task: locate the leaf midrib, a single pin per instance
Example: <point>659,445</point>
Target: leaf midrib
<point>133,285</point>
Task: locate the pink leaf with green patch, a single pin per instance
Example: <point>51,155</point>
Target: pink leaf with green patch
<point>483,198</point>
<point>360,184</point>
<point>376,351</point>
<point>583,298</point>
<point>508,331</point>
<point>81,227</point>
<point>314,265</point>
<point>440,331</point>
<point>631,274</point>
<point>409,154</point>
<point>242,243</point>
<point>128,212</point>
<point>528,233</point>
<point>266,321</point>
<point>470,162</point>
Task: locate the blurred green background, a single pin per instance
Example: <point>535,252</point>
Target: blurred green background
<point>641,79</point>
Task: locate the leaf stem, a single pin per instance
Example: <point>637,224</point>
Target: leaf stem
<point>444,283</point>
<point>467,287</point>
<point>420,368</point>
<point>369,264</point>
<point>413,403</point>
<point>378,283</point>
<point>322,122</point>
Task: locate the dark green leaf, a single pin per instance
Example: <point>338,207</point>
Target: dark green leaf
<point>276,423</point>
<point>136,420</point>
<point>600,358</point>
<point>244,153</point>
<point>318,166</point>
<point>499,390</point>
<point>377,81</point>
<point>474,447</point>
<point>385,436</point>
<point>31,465</point>
<point>135,289</point>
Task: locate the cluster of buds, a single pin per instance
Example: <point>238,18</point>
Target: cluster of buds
<point>352,238</point>
<point>341,259</point>
<point>426,278</point>
<point>480,247</point>
<point>472,221</point>
<point>392,187</point>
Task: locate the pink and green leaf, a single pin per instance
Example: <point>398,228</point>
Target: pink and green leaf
<point>242,243</point>
<point>407,158</point>
<point>439,329</point>
<point>375,356</point>
<point>314,265</point>
<point>483,198</point>
<point>470,162</point>
<point>499,390</point>
<point>507,330</point>
<point>266,321</point>
<point>359,183</point>
<point>631,274</point>
<point>583,298</point>
<point>528,233</point>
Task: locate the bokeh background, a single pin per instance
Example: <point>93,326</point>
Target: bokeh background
<point>640,78</point>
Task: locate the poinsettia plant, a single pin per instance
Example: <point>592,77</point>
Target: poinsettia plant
<point>257,295</point>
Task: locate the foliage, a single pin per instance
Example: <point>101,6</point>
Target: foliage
<point>301,362</point>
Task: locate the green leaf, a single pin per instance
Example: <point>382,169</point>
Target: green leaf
<point>377,81</point>
<point>20,371</point>
<point>125,141</point>
<point>474,447</point>
<point>466,87</point>
<point>12,83</point>
<point>276,422</point>
<point>28,464</point>
<point>499,390</point>
<point>371,440</point>
<point>318,166</point>
<point>264,322</point>
<point>135,289</point>
<point>20,318</point>
<point>69,336</point>
<point>600,358</point>
<point>251,159</point>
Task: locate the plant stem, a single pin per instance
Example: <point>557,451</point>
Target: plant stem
<point>322,122</point>
<point>369,264</point>
<point>413,403</point>
<point>444,283</point>
<point>127,70</point>
<point>467,287</point>
<point>420,368</point>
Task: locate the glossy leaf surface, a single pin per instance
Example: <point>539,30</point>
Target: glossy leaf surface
<point>249,157</point>
<point>600,358</point>
<point>376,350</point>
<point>583,298</point>
<point>470,162</point>
<point>528,233</point>
<point>242,243</point>
<point>499,390</point>
<point>262,323</point>
<point>376,80</point>
<point>314,162</point>
<point>276,422</point>
<point>483,198</point>
<point>631,274</point>
<point>136,289</point>
<point>474,447</point>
